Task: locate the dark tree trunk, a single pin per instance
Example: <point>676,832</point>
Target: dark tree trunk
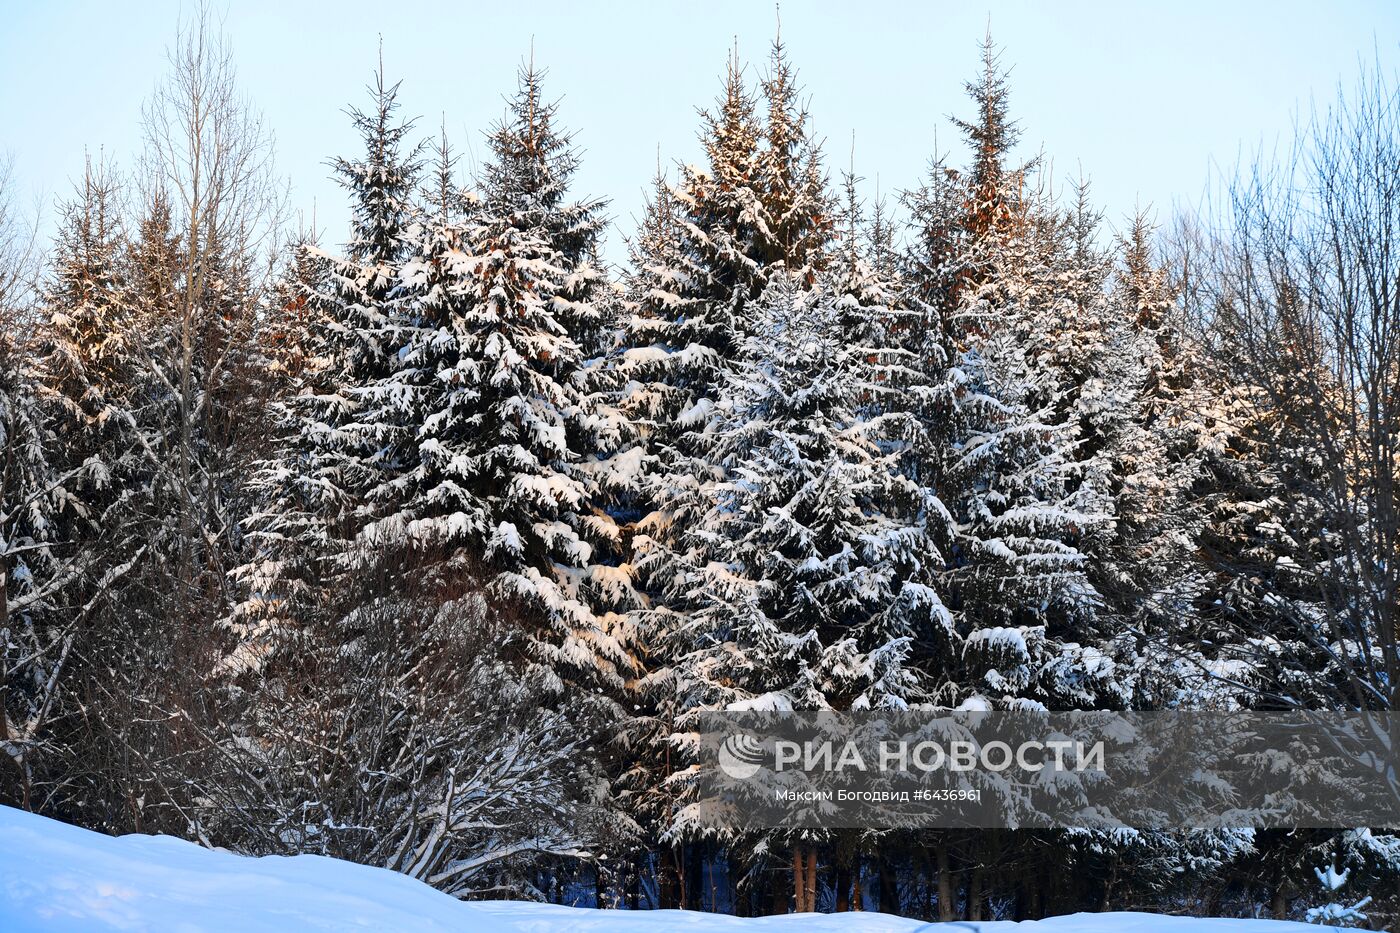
<point>974,884</point>
<point>694,878</point>
<point>671,886</point>
<point>946,901</point>
<point>889,887</point>
<point>799,880</point>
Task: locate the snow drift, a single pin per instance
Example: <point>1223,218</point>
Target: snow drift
<point>56,877</point>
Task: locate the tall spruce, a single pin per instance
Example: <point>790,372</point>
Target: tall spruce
<point>1003,450</point>
<point>488,473</point>
<point>319,486</point>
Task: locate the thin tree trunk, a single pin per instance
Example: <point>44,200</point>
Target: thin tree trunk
<point>694,878</point>
<point>929,885</point>
<point>945,883</point>
<point>974,885</point>
<point>799,883</point>
<point>811,879</point>
<point>843,887</point>
<point>889,887</point>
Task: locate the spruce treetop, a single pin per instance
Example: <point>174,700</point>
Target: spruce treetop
<point>382,182</point>
<point>798,209</point>
<point>526,183</point>
<point>731,132</point>
<point>993,189</point>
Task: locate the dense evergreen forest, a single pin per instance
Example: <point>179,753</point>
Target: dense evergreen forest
<point>422,543</point>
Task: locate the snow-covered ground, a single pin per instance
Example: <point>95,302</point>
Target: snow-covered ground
<point>58,877</point>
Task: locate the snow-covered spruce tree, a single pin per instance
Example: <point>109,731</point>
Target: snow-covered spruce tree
<point>671,355</point>
<point>808,567</point>
<point>957,220</point>
<point>720,206</point>
<point>317,488</point>
<point>85,358</point>
<point>1262,543</point>
<point>679,347</point>
<point>108,362</point>
<point>990,281</point>
<point>693,272</point>
<point>808,573</point>
<point>797,218</point>
<point>1154,442</point>
<point>923,417</point>
<point>708,245</point>
<point>498,453</point>
<point>661,380</point>
<point>284,337</point>
<point>285,532</point>
<point>906,405</point>
<point>460,757</point>
<point>1118,374</point>
<point>1093,364</point>
<point>486,475</point>
<point>1004,458</point>
<point>992,192</point>
<point>283,354</point>
<point>896,376</point>
<point>89,383</point>
<point>1018,576</point>
<point>35,623</point>
<point>863,277</point>
<point>694,269</point>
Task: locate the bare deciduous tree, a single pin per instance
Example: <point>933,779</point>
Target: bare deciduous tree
<point>1300,294</point>
<point>199,269</point>
<point>209,156</point>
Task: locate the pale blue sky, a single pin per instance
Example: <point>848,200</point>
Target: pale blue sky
<point>1146,99</point>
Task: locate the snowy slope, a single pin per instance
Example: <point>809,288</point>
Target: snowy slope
<point>58,877</point>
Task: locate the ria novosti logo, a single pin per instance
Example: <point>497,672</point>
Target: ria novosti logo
<point>741,756</point>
